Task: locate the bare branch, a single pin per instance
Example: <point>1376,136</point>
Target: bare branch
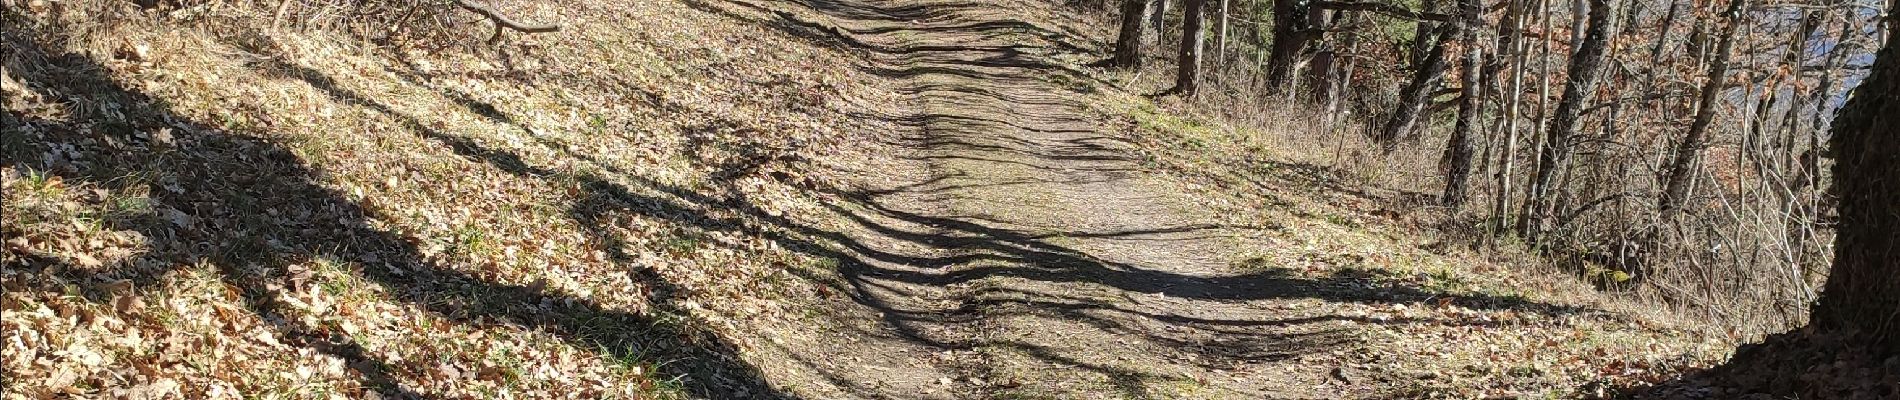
<point>1571,216</point>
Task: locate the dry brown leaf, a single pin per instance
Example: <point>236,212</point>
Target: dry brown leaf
<point>86,260</point>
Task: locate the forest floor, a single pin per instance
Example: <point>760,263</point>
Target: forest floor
<point>880,199</point>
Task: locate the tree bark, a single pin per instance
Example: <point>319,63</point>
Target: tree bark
<point>1187,77</point>
<point>1863,291</point>
<point>1128,40</point>
<point>1544,77</point>
<point>1585,66</point>
<point>1540,114</point>
<point>1413,97</point>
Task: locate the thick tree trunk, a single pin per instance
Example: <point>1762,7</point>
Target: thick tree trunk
<point>1585,66</point>
<point>1291,34</point>
<point>1689,150</point>
<point>1187,77</point>
<point>1458,149</point>
<point>1128,40</point>
<point>1863,291</point>
<point>1413,97</point>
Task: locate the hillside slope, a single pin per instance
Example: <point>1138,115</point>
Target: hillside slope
<point>717,199</point>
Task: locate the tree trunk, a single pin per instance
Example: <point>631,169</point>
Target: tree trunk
<point>1187,77</point>
<point>1413,97</point>
<point>1863,291</point>
<point>1510,53</point>
<point>1577,9</point>
<point>1159,20</point>
<point>1220,33</point>
<point>1458,149</point>
<point>1531,195</point>
<point>1291,34</point>
<point>1585,65</point>
<point>1128,41</point>
<point>1689,150</point>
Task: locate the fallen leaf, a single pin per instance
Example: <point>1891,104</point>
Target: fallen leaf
<point>86,260</point>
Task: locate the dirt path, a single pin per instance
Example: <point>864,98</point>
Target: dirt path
<point>1034,258</point>
<point>1031,257</point>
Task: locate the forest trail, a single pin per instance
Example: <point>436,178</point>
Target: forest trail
<point>1033,257</point>
<point>759,199</point>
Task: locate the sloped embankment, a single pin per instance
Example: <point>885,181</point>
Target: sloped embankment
<point>200,204</point>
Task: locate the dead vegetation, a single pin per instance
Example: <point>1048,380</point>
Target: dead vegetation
<point>200,207</point>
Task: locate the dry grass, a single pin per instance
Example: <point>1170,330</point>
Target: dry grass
<point>1354,211</point>
<point>1745,260</point>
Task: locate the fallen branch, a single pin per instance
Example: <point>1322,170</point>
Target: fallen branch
<point>502,21</point>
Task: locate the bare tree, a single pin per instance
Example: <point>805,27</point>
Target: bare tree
<point>1510,51</point>
<point>1689,150</point>
<point>1458,148</point>
<point>1296,26</point>
<point>1413,97</point>
<point>1585,66</point>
